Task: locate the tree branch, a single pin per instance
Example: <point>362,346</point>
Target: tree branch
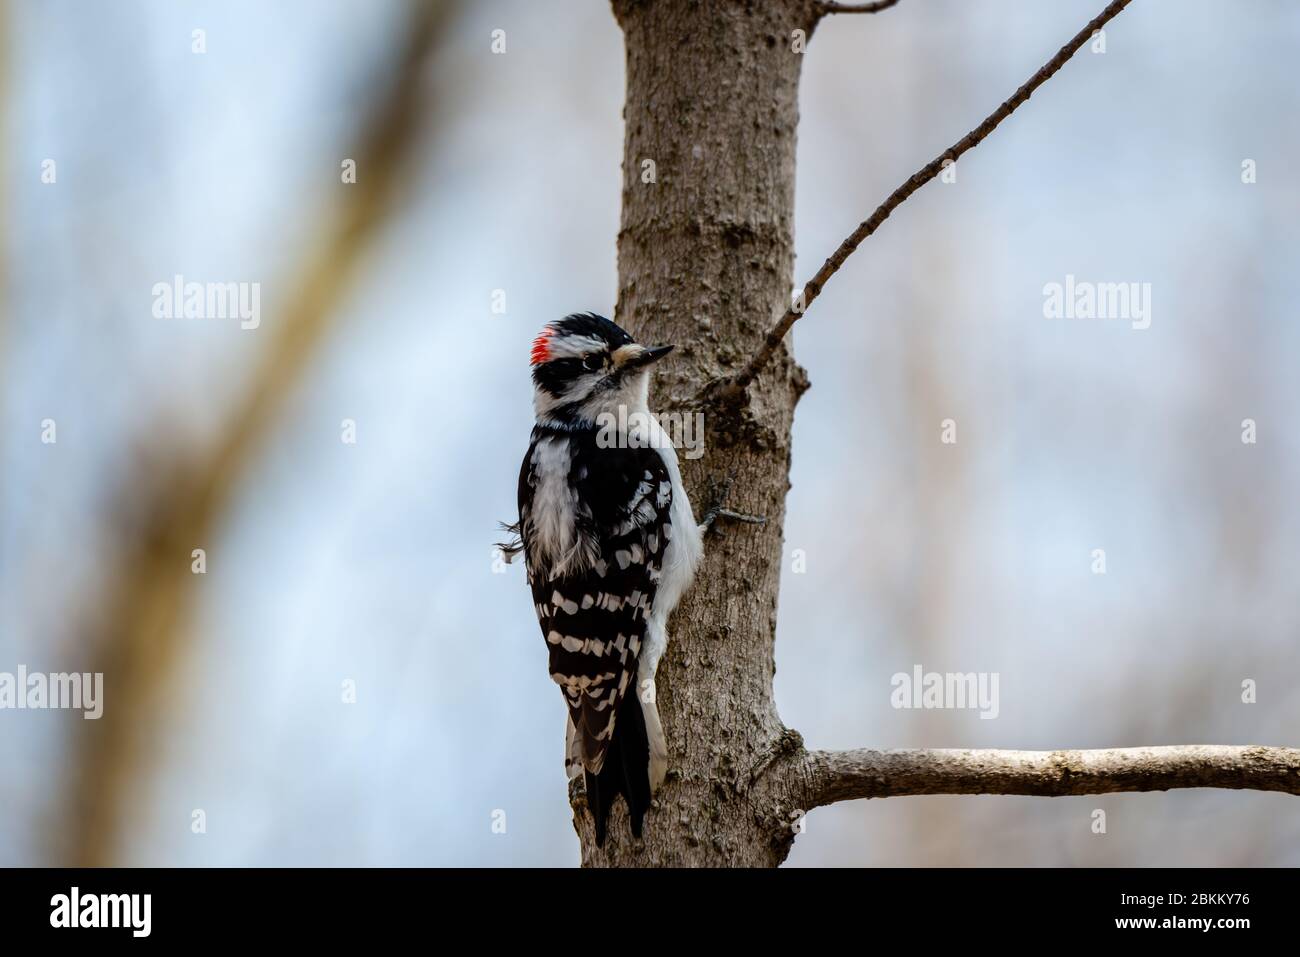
<point>732,388</point>
<point>832,7</point>
<point>847,775</point>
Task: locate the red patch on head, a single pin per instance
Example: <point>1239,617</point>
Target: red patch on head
<point>542,346</point>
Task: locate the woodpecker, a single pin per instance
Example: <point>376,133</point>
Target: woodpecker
<point>610,543</point>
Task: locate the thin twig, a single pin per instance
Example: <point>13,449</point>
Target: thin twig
<point>733,387</point>
<point>831,7</point>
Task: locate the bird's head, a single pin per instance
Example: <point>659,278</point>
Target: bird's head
<point>584,365</point>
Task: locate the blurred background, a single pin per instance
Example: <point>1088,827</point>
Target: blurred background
<point>485,204</point>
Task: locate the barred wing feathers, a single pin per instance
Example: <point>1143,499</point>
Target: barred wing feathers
<point>593,586</point>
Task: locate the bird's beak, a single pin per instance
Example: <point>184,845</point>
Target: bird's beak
<point>638,357</point>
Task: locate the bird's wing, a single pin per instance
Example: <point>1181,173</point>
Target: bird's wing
<point>594,620</point>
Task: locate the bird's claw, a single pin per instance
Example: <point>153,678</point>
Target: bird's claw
<point>717,510</point>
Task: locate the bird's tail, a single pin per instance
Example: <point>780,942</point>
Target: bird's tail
<point>625,771</point>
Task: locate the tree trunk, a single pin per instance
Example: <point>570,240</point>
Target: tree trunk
<point>705,257</point>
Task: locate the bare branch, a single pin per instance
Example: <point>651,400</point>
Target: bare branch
<point>833,776</point>
<point>732,388</point>
<point>831,7</point>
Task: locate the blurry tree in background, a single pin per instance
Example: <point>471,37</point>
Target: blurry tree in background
<point>145,618</point>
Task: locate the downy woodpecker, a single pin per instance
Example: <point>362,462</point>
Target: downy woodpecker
<point>610,544</point>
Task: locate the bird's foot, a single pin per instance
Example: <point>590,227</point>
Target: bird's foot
<point>717,510</point>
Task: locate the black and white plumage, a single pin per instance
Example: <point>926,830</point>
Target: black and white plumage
<point>610,544</point>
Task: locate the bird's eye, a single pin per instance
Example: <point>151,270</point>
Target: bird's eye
<point>593,362</point>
